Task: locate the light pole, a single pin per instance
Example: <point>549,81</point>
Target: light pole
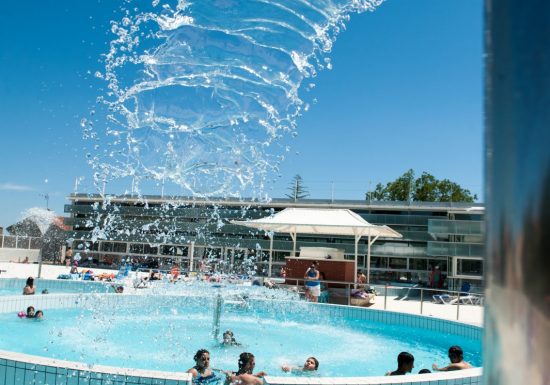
<point>47,198</point>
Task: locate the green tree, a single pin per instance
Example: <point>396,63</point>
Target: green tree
<point>297,189</point>
<point>426,188</point>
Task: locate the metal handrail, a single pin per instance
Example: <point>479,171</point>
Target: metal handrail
<point>454,294</point>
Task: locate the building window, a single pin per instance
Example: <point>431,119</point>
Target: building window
<point>179,251</point>
<point>418,264</point>
<point>136,248</point>
<point>378,263</point>
<point>469,267</point>
<point>398,263</point>
<point>116,247</point>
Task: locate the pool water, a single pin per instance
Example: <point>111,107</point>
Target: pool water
<point>166,337</point>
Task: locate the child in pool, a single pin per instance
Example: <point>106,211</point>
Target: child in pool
<point>229,339</point>
<point>310,365</point>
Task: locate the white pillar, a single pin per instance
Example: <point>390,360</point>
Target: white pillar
<point>191,254</point>
<point>270,254</point>
<point>368,259</point>
<point>357,237</point>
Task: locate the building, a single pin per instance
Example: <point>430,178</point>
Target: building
<point>153,231</point>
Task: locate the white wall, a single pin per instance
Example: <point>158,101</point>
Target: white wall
<point>18,255</point>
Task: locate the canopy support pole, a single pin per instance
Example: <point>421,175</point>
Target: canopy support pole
<point>270,234</point>
<point>369,243</point>
<point>293,236</point>
<point>357,238</point>
<point>191,255</point>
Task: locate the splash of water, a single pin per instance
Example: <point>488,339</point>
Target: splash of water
<point>203,94</point>
<point>43,218</point>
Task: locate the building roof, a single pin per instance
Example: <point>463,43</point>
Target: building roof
<point>457,207</point>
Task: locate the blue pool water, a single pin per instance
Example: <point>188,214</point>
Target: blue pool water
<point>166,336</point>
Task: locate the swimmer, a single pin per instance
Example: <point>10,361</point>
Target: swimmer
<point>39,315</point>
<point>201,372</point>
<point>310,365</point>
<point>229,339</point>
<point>457,361</point>
<point>30,312</point>
<point>405,364</point>
<point>244,375</point>
<point>29,287</point>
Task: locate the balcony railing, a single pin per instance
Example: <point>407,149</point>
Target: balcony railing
<point>20,242</point>
<point>443,226</point>
<point>455,249</point>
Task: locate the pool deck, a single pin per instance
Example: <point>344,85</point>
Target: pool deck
<point>471,314</point>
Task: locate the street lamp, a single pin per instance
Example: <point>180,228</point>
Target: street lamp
<point>47,198</point>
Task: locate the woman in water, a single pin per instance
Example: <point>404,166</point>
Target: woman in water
<point>29,288</point>
<point>310,365</point>
<point>244,375</point>
<point>201,372</point>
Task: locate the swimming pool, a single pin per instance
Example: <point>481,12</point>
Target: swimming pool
<point>163,333</point>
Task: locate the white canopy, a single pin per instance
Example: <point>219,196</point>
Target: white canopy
<point>321,221</point>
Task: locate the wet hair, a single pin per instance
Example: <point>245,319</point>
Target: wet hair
<point>424,371</point>
<point>244,359</point>
<point>404,358</point>
<point>199,354</point>
<point>38,312</point>
<point>29,309</point>
<point>456,351</point>
<point>316,362</point>
<point>30,281</point>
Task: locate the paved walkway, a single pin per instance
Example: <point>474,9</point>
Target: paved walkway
<point>466,313</point>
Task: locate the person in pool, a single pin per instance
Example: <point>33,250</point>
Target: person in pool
<point>405,364</point>
<point>244,375</point>
<point>30,312</point>
<point>39,314</point>
<point>457,361</point>
<point>229,339</point>
<point>201,372</point>
<point>29,287</point>
<point>310,365</point>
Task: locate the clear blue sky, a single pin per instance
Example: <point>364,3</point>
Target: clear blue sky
<point>405,92</point>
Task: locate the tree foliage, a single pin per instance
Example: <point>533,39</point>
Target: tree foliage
<point>426,188</point>
<point>297,189</point>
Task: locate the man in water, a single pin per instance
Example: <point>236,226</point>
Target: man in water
<point>405,364</point>
<point>457,360</point>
